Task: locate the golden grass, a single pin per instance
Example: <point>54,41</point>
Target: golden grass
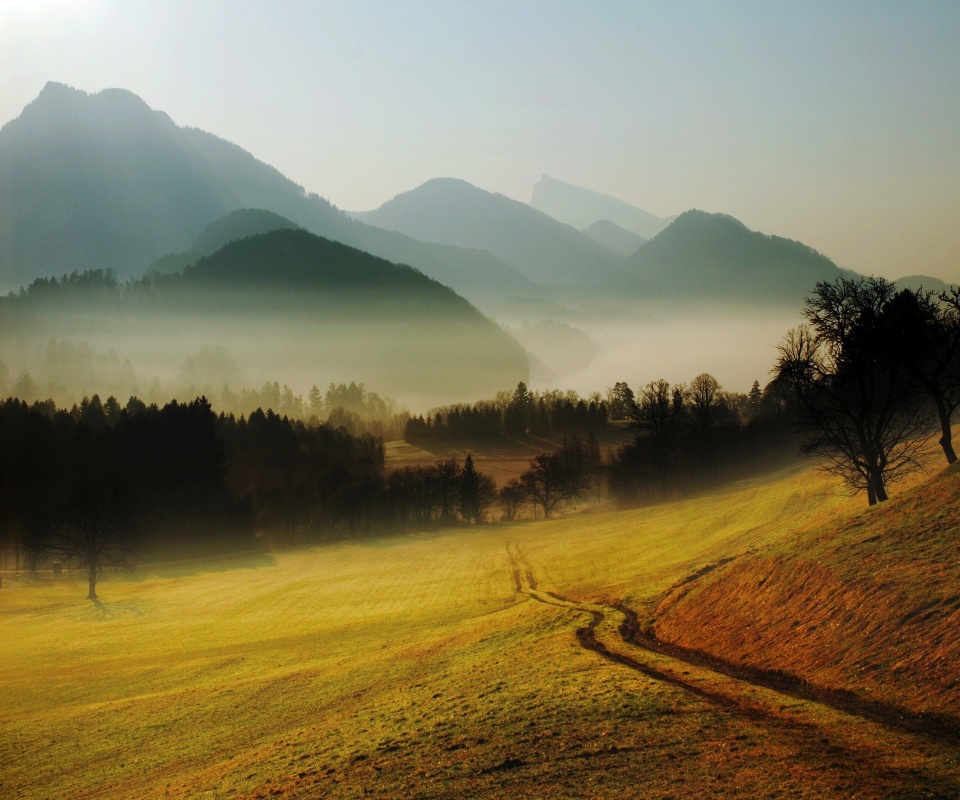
<point>500,459</point>
<point>869,603</point>
<point>412,667</point>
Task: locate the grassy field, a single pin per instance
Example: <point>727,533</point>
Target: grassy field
<point>869,603</point>
<point>500,459</point>
<point>471,663</point>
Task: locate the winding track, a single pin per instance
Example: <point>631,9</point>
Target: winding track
<point>525,583</point>
<point>613,633</point>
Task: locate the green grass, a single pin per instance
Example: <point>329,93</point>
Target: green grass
<point>412,667</point>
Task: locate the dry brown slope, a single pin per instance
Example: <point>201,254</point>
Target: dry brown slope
<point>869,605</point>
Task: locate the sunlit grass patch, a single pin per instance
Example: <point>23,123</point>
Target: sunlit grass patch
<point>406,667</point>
<point>869,602</point>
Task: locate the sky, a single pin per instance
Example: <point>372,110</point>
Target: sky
<point>837,124</point>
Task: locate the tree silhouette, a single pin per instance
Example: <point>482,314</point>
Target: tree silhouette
<point>926,339</point>
<point>476,492</point>
<point>511,497</point>
<point>706,403</point>
<point>754,399</point>
<point>856,403</point>
<point>620,401</point>
<point>98,527</point>
<point>658,413</point>
<point>555,479</point>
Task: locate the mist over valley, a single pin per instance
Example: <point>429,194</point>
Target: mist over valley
<point>521,400</point>
<point>633,316</point>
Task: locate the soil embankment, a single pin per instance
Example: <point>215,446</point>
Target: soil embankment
<point>867,610</point>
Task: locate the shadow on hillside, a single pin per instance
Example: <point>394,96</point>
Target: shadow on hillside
<point>116,609</point>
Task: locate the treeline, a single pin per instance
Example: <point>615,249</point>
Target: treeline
<point>873,372</point>
<point>210,373</point>
<point>205,482</point>
<point>443,493</point>
<point>693,435</point>
<point>87,286</point>
<point>510,415</point>
<point>189,481</point>
<point>687,436</point>
<point>447,492</point>
<point>169,461</point>
<point>349,406</point>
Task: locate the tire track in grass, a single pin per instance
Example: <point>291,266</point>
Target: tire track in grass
<point>736,693</point>
<point>526,582</point>
<point>938,727</point>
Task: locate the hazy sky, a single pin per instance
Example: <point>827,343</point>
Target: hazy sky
<point>834,123</point>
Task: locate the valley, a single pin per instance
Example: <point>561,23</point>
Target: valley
<point>475,663</point>
<point>481,401</point>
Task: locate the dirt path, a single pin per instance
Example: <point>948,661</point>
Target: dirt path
<point>612,632</point>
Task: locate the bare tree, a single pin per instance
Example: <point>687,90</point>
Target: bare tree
<point>511,497</point>
<point>99,527</point>
<point>555,479</point>
<point>926,339</point>
<point>706,402</point>
<point>855,401</point>
<point>658,413</point>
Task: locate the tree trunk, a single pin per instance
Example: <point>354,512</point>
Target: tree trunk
<point>92,581</point>
<point>946,435</point>
<point>875,484</point>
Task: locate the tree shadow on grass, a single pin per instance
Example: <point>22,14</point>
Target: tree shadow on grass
<point>117,609</point>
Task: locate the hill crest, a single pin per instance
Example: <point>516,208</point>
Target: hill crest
<point>102,181</point>
<point>581,207</point>
<point>621,241</point>
<point>451,211</point>
<point>857,606</point>
<point>717,256</point>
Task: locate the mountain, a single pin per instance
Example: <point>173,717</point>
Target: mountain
<point>286,304</point>
<point>918,282</point>
<point>716,257</point>
<point>315,268</point>
<point>454,212</point>
<point>612,236</point>
<point>237,224</point>
<point>102,181</point>
<point>581,208</point>
<point>97,181</point>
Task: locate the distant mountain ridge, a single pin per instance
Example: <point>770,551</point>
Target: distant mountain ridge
<point>453,212</point>
<point>619,240</point>
<point>78,168</point>
<point>717,256</point>
<point>926,283</point>
<point>285,297</point>
<point>102,181</point>
<point>236,225</point>
<point>581,208</point>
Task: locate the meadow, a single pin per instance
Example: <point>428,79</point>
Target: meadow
<point>474,662</point>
